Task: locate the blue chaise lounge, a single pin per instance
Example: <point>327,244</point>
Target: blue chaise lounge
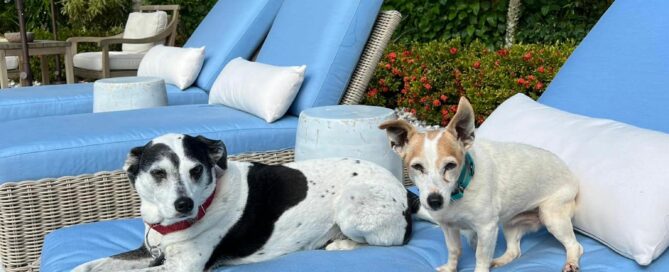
<point>231,29</point>
<point>339,42</point>
<point>619,71</point>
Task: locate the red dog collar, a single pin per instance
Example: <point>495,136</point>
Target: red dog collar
<point>182,225</point>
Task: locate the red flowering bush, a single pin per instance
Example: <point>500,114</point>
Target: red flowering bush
<point>428,79</point>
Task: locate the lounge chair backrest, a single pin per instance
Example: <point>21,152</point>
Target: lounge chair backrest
<point>233,28</point>
<point>620,71</point>
<point>326,35</point>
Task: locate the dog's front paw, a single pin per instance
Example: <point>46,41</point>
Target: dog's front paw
<point>447,268</point>
<point>91,266</point>
<point>87,267</point>
<point>570,267</point>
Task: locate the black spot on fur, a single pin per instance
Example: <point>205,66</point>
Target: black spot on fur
<point>355,174</point>
<point>261,253</point>
<point>141,253</point>
<point>206,151</point>
<point>155,153</point>
<point>141,158</point>
<point>413,204</point>
<point>299,224</point>
<point>352,197</point>
<point>322,196</point>
<point>158,261</point>
<point>357,161</point>
<point>413,201</point>
<point>394,200</point>
<point>272,191</point>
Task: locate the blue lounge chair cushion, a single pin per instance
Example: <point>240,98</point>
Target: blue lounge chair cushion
<point>328,36</point>
<point>232,29</point>
<point>620,71</point>
<point>38,101</point>
<point>66,248</point>
<point>67,145</point>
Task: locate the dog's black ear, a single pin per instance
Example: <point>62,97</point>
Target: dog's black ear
<point>216,150</point>
<point>131,166</point>
<point>399,132</point>
<point>462,124</point>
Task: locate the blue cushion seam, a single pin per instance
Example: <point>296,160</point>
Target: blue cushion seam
<point>117,142</point>
<point>343,36</point>
<point>220,67</point>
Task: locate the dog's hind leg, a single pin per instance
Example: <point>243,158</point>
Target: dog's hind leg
<point>372,215</point>
<point>557,218</point>
<point>513,231</point>
<point>344,244</point>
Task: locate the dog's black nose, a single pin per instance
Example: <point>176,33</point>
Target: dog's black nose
<point>183,204</point>
<point>435,201</point>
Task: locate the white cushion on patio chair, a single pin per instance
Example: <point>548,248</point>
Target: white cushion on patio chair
<point>12,62</point>
<point>117,60</point>
<point>143,25</point>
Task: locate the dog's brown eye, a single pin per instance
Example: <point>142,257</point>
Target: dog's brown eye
<point>196,172</point>
<point>418,167</point>
<point>158,174</point>
<point>449,166</point>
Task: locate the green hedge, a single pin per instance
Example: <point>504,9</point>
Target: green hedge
<point>542,21</point>
<point>192,12</point>
<point>428,79</point>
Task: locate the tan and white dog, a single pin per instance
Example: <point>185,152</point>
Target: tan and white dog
<point>474,187</point>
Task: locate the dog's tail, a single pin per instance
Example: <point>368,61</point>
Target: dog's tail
<point>414,207</point>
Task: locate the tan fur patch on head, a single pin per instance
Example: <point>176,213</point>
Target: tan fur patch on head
<point>415,147</point>
<point>448,146</point>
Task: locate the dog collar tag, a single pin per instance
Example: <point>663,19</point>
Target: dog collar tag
<point>464,179</point>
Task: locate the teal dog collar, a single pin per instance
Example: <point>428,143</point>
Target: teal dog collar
<point>465,178</point>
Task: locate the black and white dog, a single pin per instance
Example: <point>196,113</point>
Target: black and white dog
<point>202,210</point>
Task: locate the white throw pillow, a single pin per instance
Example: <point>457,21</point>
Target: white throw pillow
<point>263,90</point>
<point>623,170</point>
<point>178,66</point>
<point>143,25</point>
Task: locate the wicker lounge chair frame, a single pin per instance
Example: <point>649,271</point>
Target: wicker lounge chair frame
<point>31,209</point>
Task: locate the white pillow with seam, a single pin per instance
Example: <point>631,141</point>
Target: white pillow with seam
<point>623,171</point>
<point>176,65</point>
<point>263,90</point>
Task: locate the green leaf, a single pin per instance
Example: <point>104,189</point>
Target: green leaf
<point>470,30</point>
<point>476,7</point>
<point>545,10</point>
<point>490,20</point>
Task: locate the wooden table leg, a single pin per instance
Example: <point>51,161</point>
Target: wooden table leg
<point>44,66</point>
<point>4,80</point>
<point>69,68</point>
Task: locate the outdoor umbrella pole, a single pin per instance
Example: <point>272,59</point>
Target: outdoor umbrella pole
<point>28,77</point>
<point>55,38</point>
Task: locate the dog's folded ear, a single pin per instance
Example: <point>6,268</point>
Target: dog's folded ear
<point>131,165</point>
<point>462,124</point>
<point>399,132</point>
<point>217,151</point>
